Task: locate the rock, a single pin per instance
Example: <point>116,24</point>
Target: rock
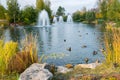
<point>69,66</point>
<point>52,68</point>
<point>91,65</point>
<point>69,49</point>
<point>61,69</point>
<point>36,72</point>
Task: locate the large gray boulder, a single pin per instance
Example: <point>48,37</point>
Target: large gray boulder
<point>36,72</point>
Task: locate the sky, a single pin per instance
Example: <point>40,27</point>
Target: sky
<point>69,5</point>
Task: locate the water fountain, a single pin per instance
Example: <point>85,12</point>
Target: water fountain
<point>60,19</point>
<point>69,19</point>
<point>43,19</point>
<point>55,19</point>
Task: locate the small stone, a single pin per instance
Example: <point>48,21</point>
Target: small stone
<point>51,68</point>
<point>69,66</point>
<point>61,69</point>
<point>91,65</point>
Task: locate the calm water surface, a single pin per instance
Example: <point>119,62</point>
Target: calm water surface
<point>54,41</point>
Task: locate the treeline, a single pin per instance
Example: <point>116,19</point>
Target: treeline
<point>28,15</point>
<point>86,17</point>
<point>107,11</point>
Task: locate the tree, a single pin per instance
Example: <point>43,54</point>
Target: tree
<point>47,5</point>
<point>103,4</point>
<point>113,13</point>
<point>2,12</point>
<point>60,11</point>
<point>39,5</point>
<point>13,10</point>
<point>90,16</point>
<point>28,15</point>
<point>76,16</point>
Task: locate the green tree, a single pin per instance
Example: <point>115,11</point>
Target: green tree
<point>2,12</point>
<point>76,16</point>
<point>39,5</point>
<point>60,11</point>
<point>103,7</point>
<point>47,5</point>
<point>113,13</point>
<point>28,15</point>
<point>90,16</point>
<point>13,10</point>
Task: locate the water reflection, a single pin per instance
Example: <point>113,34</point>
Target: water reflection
<point>54,41</point>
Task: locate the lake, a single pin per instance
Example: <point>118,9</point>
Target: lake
<point>64,43</point>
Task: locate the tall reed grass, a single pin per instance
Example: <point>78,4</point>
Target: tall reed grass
<point>112,44</point>
<point>14,60</point>
<point>7,50</point>
<point>26,56</point>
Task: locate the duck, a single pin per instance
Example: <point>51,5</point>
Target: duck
<point>95,52</point>
<point>86,60</point>
<point>69,49</point>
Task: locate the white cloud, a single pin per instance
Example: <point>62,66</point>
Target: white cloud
<point>69,5</point>
<point>73,5</point>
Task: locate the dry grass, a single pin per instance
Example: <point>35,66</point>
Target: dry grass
<point>13,60</point>
<point>112,44</point>
<point>26,57</point>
